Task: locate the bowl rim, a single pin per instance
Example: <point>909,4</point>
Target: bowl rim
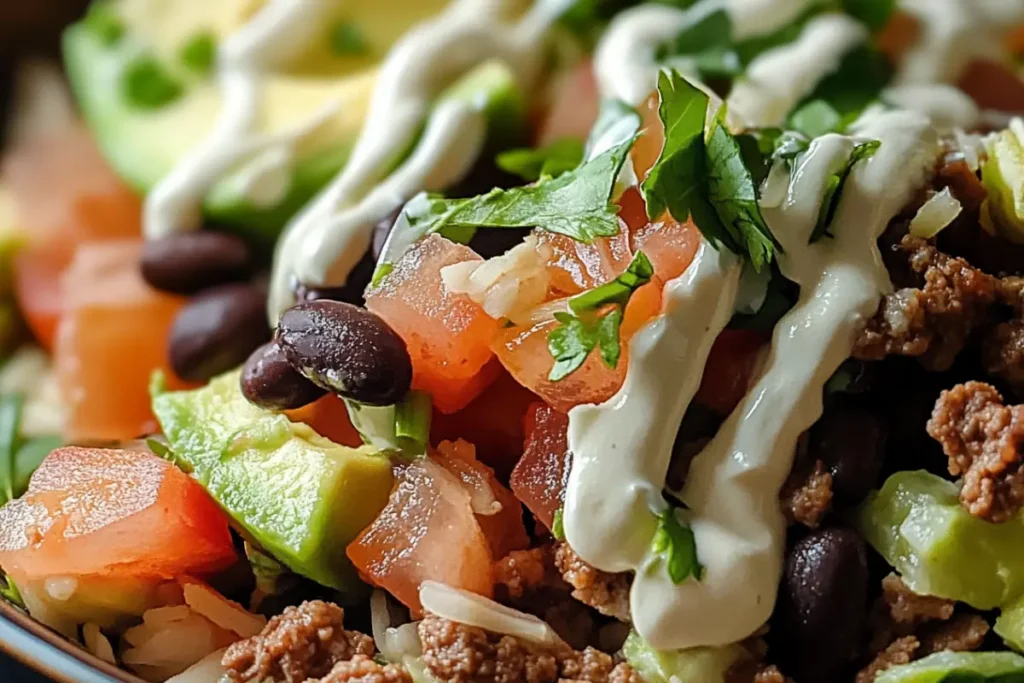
<point>49,653</point>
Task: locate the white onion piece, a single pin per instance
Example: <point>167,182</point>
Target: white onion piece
<point>935,214</point>
<point>229,615</point>
<point>207,670</point>
<point>394,643</point>
<point>97,643</point>
<point>474,610</point>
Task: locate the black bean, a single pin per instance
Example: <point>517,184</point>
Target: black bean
<point>822,606</point>
<point>347,350</point>
<point>850,440</point>
<point>217,330</point>
<point>269,381</point>
<point>189,262</point>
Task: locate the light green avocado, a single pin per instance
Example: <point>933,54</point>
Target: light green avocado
<point>695,665</point>
<point>302,497</point>
<point>144,143</point>
<point>958,667</point>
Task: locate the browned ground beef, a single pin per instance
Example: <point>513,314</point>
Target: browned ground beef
<point>807,495</point>
<point>362,669</point>
<point>982,439</point>
<point>904,606</point>
<point>301,643</point>
<point>457,653</point>
<point>899,651</point>
<point>607,593</point>
<point>934,320</point>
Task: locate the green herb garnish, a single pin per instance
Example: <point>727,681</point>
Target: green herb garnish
<point>543,162</point>
<point>576,204</point>
<point>834,189</point>
<point>104,23</point>
<point>10,592</point>
<point>558,526</point>
<point>594,326</point>
<point>704,175</point>
<point>412,423</point>
<point>380,274</point>
<point>875,14</point>
<point>10,420</point>
<point>674,541</point>
<point>199,53</point>
<point>147,84</point>
<point>347,39</point>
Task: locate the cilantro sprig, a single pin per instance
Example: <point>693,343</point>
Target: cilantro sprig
<point>704,176</point>
<point>591,325</point>
<point>550,161</point>
<point>834,188</point>
<point>19,457</point>
<point>675,544</point>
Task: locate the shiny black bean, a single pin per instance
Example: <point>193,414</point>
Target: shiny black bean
<point>822,606</point>
<point>190,262</point>
<point>269,381</point>
<point>850,440</point>
<point>347,350</point>
<point>217,330</point>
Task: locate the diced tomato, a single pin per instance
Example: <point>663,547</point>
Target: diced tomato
<point>426,531</point>
<point>493,422</point>
<point>524,353</point>
<point>647,147</point>
<point>540,478</point>
<point>66,191</point>
<point>669,245</point>
<point>575,108</point>
<point>498,511</point>
<point>729,369</point>
<point>37,274</point>
<point>111,337</point>
<point>448,335</point>
<point>899,35</point>
<point>993,86</point>
<point>92,512</point>
<point>578,266</point>
<point>329,417</point>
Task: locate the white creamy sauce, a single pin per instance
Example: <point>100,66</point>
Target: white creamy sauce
<point>953,33</point>
<point>622,448</point>
<point>947,106</point>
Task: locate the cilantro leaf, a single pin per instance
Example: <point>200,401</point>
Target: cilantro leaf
<point>10,419</point>
<point>856,83</point>
<point>576,204</point>
<point>608,337</point>
<point>674,541</point>
<point>733,194</point>
<point>637,274</point>
<point>557,525</point>
<point>834,189</point>
<point>550,161</point>
<point>673,181</point>
<point>10,592</point>
<point>569,344</point>
<point>617,122</point>
<point>707,41</point>
<point>412,423</point>
<point>874,13</point>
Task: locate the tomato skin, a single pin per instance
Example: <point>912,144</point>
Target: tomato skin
<point>540,477</point>
<point>92,512</point>
<point>730,367</point>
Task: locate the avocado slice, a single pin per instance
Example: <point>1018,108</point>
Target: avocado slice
<point>300,496</point>
<point>145,139</point>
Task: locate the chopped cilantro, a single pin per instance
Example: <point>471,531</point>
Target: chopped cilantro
<point>576,204</point>
<point>617,122</point>
<point>859,80</point>
<point>674,541</point>
<point>412,423</point>
<point>874,13</point>
<point>147,84</point>
<point>104,23</point>
<point>10,419</point>
<point>704,176</point>
<point>834,189</point>
<point>816,118</point>
<point>571,342</point>
<point>708,42</point>
<point>199,53</point>
<point>347,39</point>
<point>557,525</point>
<point>380,273</point>
<point>550,161</point>
<point>637,274</point>
<point>10,592</point>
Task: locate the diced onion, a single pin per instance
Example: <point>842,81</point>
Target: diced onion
<point>394,643</point>
<point>61,588</point>
<point>207,670</point>
<point>474,610</point>
<point>229,615</point>
<point>97,643</point>
<point>936,213</point>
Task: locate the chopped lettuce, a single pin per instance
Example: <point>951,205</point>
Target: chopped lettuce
<point>917,524</point>
<point>1002,174</point>
<point>958,667</point>
<point>703,664</point>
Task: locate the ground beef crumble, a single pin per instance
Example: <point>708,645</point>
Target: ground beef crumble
<point>301,643</point>
<point>906,626</point>
<point>457,653</point>
<point>362,669</point>
<point>983,439</point>
<point>807,495</point>
<point>934,320</point>
<point>605,592</point>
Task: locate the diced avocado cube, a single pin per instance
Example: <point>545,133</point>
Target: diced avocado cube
<point>302,497</point>
<point>704,664</point>
<point>1002,174</point>
<point>917,524</point>
<point>958,667</point>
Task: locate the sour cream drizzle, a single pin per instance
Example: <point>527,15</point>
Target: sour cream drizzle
<point>622,447</point>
